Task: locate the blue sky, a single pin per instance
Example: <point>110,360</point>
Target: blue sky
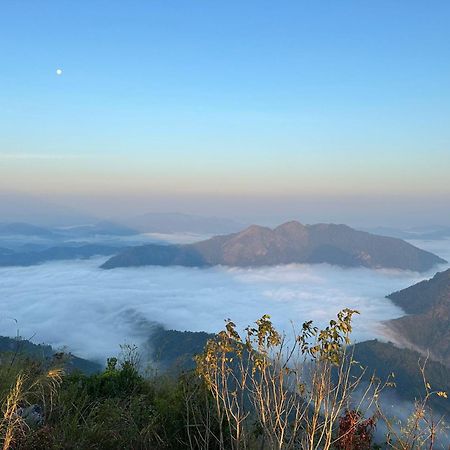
<point>255,98</point>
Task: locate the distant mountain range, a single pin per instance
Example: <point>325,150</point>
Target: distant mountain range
<point>25,229</point>
<point>20,207</point>
<point>23,244</point>
<point>60,233</point>
<point>427,325</point>
<point>181,223</point>
<point>30,258</point>
<point>164,223</point>
<point>423,233</point>
<point>291,242</point>
<point>102,228</point>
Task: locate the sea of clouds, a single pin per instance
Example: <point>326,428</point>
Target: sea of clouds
<point>93,311</point>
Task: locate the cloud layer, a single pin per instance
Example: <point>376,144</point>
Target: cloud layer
<point>93,311</point>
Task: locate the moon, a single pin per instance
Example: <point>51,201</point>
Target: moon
<point>58,72</point>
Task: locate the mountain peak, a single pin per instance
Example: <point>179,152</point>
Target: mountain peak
<point>291,225</point>
<point>254,229</point>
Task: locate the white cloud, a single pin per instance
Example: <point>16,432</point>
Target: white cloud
<point>93,311</point>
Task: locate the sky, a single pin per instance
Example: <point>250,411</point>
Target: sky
<point>334,111</point>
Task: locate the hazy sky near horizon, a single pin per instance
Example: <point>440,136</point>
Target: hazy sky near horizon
<point>263,100</point>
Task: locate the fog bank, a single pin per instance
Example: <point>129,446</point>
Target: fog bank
<point>93,311</point>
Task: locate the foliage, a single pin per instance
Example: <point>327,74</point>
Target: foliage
<point>259,390</point>
<point>291,397</point>
<point>354,433</point>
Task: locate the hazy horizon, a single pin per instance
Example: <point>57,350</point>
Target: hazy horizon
<point>396,212</point>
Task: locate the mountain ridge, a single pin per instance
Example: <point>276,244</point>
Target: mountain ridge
<point>290,242</point>
<point>427,323</point>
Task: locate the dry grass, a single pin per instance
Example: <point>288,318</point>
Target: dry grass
<point>26,390</point>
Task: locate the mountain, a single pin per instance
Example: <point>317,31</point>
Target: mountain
<point>175,350</point>
<point>20,207</point>
<point>291,242</point>
<point>25,229</point>
<point>179,223</point>
<point>31,258</point>
<point>384,358</point>
<point>102,228</point>
<point>15,347</point>
<point>427,325</point>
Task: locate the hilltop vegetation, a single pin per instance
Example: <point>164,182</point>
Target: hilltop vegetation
<point>246,391</point>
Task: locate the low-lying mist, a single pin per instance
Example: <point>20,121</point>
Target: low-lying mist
<point>440,247</point>
<point>93,311</point>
